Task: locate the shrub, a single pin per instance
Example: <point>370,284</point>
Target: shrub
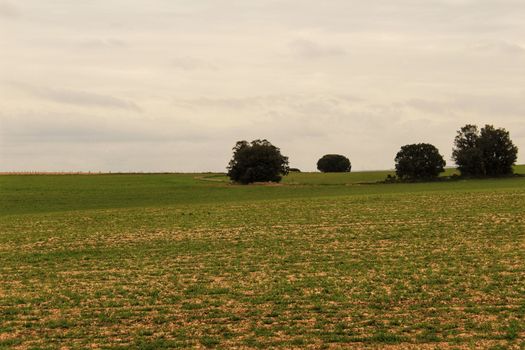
<point>334,163</point>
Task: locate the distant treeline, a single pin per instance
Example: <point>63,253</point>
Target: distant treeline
<point>483,152</point>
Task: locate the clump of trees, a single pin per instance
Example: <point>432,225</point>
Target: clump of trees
<point>485,152</point>
<point>420,161</point>
<point>488,151</point>
<point>334,163</point>
<point>257,161</point>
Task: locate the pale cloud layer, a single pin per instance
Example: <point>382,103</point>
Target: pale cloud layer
<point>8,10</point>
<point>164,85</point>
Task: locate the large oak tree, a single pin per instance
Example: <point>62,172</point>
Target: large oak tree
<point>257,161</point>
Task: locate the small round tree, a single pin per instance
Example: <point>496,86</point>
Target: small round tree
<point>420,161</point>
<point>257,161</point>
<point>334,163</point>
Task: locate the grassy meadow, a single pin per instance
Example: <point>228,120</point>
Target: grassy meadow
<point>321,261</point>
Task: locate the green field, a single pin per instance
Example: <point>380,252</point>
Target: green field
<point>322,261</point>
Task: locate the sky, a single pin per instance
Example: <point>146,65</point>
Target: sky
<point>171,85</point>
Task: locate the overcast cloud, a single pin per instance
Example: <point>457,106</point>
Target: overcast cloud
<point>133,85</point>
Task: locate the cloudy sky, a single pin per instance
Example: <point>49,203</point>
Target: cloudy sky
<point>171,85</point>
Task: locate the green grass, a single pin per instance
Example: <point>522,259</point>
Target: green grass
<point>358,177</point>
<point>22,194</point>
<point>323,261</point>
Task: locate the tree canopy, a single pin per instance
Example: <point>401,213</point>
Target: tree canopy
<point>334,163</point>
<point>420,161</point>
<point>485,152</point>
<point>257,161</point>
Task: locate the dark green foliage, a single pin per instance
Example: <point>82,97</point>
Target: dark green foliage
<point>295,170</point>
<point>334,163</point>
<point>485,152</point>
<point>258,161</point>
<point>498,152</point>
<point>420,161</point>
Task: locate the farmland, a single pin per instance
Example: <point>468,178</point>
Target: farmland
<point>167,261</point>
